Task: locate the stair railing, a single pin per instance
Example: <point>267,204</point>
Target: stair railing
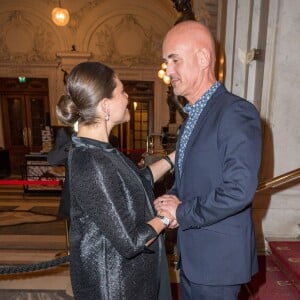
<point>279,180</point>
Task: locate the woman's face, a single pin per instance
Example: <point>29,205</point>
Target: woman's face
<point>118,111</point>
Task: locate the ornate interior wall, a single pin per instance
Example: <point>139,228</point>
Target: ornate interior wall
<point>127,35</point>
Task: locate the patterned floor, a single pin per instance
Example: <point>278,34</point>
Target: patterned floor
<point>34,295</point>
<point>31,233</point>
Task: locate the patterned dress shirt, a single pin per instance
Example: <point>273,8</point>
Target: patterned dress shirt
<point>193,112</point>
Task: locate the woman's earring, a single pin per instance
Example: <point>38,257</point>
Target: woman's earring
<point>106,117</point>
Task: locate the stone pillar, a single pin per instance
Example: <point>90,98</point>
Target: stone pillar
<point>245,48</point>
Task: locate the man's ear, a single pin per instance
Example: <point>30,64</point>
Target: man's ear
<point>203,58</point>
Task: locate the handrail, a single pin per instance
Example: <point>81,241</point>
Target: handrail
<point>279,180</point>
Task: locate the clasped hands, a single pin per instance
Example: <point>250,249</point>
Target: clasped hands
<point>166,205</point>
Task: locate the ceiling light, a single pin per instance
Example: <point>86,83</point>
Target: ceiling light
<point>60,16</point>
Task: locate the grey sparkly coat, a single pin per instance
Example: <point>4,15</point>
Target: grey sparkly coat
<point>111,202</point>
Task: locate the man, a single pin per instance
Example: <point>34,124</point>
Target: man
<point>216,174</point>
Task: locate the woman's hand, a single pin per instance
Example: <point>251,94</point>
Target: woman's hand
<point>168,203</point>
<point>173,222</point>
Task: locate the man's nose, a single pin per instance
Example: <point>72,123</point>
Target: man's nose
<point>169,70</point>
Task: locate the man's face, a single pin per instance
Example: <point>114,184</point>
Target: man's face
<point>182,65</point>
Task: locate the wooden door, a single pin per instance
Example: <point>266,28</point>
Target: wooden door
<point>134,134</point>
<point>25,106</point>
<point>24,117</point>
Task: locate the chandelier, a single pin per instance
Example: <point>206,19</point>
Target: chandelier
<point>162,74</point>
<point>60,16</point>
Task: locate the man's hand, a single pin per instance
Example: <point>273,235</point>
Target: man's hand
<point>170,204</point>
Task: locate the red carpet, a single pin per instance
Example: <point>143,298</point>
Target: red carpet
<point>271,283</point>
<point>288,257</point>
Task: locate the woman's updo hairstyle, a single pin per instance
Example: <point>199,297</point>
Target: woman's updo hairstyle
<point>87,84</point>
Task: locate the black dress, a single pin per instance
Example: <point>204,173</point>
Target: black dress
<point>111,202</point>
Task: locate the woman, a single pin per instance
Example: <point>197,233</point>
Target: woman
<point>116,252</point>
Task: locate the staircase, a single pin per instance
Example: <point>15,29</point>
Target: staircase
<point>279,271</point>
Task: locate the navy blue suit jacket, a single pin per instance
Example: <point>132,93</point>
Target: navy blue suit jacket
<point>219,177</point>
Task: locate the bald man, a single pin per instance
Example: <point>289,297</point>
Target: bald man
<point>217,162</point>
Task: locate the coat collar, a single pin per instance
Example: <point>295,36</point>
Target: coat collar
<point>91,143</point>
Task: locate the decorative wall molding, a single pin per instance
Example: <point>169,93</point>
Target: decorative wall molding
<point>73,54</point>
<point>126,41</point>
<point>23,41</point>
<point>76,17</point>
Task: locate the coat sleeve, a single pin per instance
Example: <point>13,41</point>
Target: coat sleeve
<point>239,152</point>
<point>59,153</point>
<point>102,195</point>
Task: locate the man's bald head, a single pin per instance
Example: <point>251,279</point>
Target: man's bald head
<point>189,51</point>
<point>193,33</point>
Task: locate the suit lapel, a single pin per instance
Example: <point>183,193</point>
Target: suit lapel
<point>208,109</point>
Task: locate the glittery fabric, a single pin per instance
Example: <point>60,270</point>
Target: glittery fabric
<point>111,201</point>
<point>193,112</point>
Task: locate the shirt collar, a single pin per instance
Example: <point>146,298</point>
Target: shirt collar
<point>188,108</point>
